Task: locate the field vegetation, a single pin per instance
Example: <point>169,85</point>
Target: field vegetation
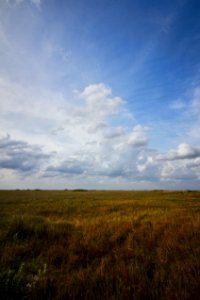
<point>99,245</point>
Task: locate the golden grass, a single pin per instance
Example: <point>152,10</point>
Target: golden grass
<point>100,245</point>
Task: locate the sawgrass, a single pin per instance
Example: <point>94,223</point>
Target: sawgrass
<point>99,245</point>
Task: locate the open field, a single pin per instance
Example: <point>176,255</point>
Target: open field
<point>99,245</point>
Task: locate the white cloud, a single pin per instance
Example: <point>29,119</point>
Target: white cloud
<point>137,137</point>
<point>178,170</point>
<point>83,140</point>
<point>99,100</point>
<point>181,165</point>
<point>184,151</point>
<point>81,132</point>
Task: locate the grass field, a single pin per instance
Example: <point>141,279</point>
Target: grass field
<point>99,245</point>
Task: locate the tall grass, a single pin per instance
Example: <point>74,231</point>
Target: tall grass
<point>99,245</point>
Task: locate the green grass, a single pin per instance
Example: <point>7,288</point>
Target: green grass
<point>99,245</point>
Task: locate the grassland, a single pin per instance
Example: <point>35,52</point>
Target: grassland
<point>99,245</point>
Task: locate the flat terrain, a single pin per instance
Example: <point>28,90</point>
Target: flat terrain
<point>99,245</point>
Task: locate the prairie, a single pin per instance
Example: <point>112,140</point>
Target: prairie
<point>99,245</point>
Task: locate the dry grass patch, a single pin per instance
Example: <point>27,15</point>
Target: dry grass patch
<point>99,245</point>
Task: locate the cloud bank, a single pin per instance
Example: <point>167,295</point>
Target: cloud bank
<point>20,156</point>
<point>82,140</point>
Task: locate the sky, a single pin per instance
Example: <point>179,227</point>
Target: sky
<point>100,94</point>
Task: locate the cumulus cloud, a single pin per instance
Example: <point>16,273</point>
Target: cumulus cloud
<point>137,137</point>
<point>20,156</point>
<point>87,141</point>
<point>180,171</point>
<point>184,151</point>
<point>99,98</point>
<point>174,166</point>
<point>97,104</point>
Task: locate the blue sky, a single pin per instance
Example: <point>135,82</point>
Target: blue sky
<point>100,94</point>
